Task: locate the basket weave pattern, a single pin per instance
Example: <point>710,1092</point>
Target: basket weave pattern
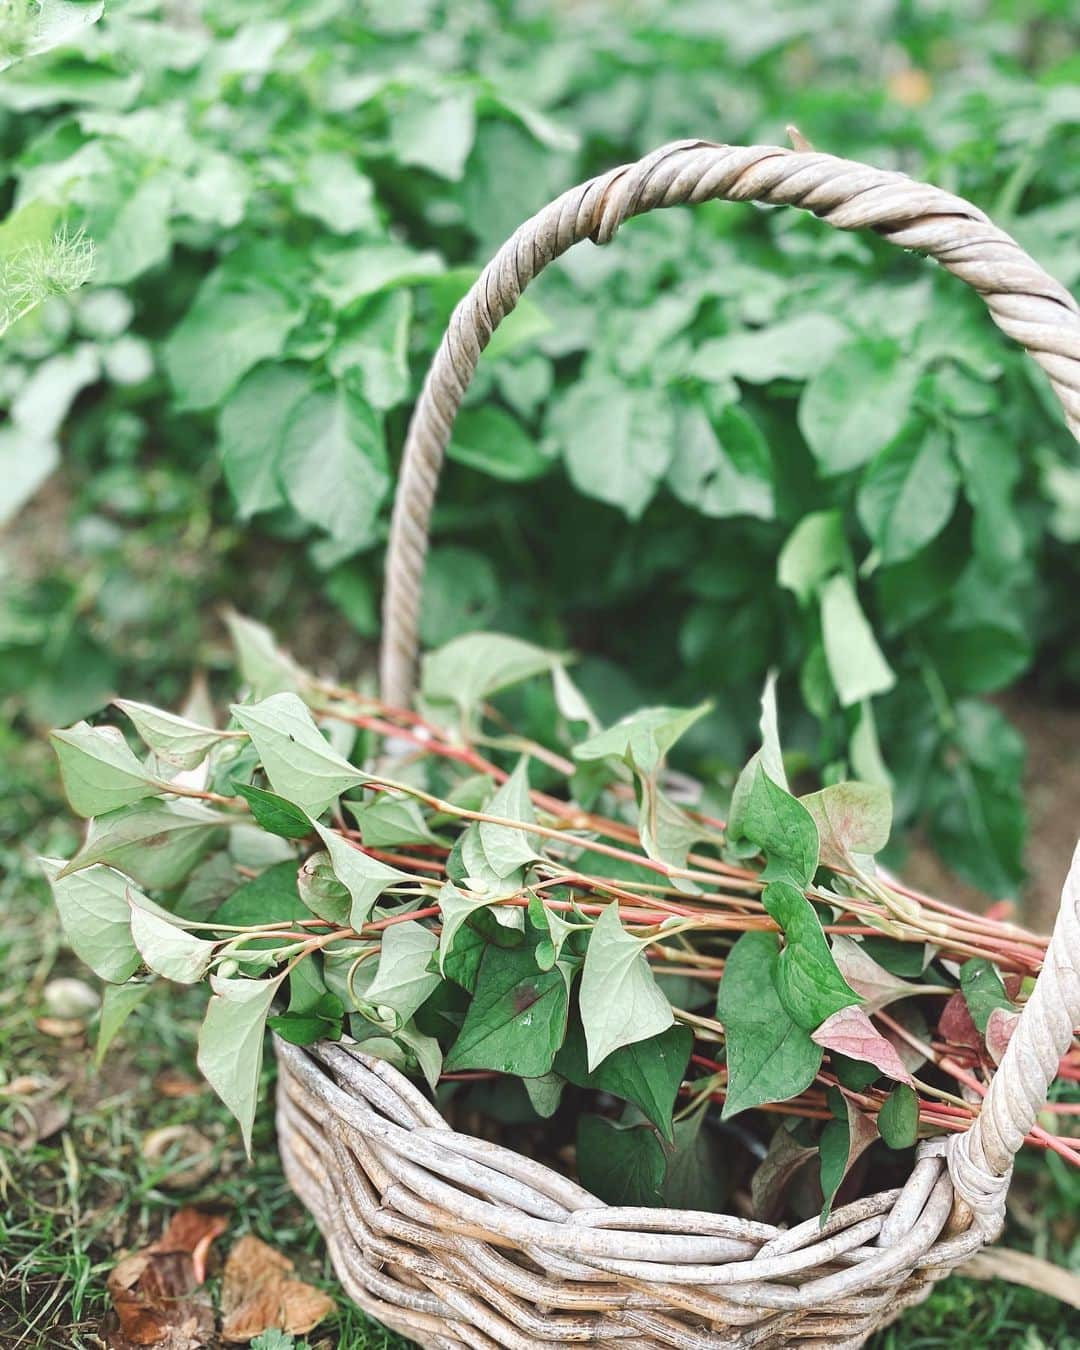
<point>455,1241</point>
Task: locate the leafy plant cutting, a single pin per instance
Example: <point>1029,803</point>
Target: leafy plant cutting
<point>566,919</point>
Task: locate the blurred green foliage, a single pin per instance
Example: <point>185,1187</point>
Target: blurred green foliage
<point>734,439</point>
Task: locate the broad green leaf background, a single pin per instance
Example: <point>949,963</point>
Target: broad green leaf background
<point>732,441</point>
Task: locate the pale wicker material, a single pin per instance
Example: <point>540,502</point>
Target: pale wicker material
<point>456,1241</point>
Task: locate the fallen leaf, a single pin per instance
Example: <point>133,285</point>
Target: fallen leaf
<point>155,1292</point>
<point>189,1155</point>
<point>61,1027</point>
<point>173,1083</point>
<point>40,1120</point>
<point>850,1032</point>
<point>258,1294</point>
<point>25,1085</point>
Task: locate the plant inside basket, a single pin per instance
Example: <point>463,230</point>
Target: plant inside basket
<point>558,934</point>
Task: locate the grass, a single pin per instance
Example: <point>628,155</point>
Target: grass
<point>70,1203</point>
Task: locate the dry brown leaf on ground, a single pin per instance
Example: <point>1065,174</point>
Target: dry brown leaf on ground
<point>155,1292</point>
<point>191,1155</point>
<point>173,1083</point>
<point>258,1293</point>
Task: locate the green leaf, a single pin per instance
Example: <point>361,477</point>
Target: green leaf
<point>979,658</point>
<point>991,470</point>
<point>813,551</point>
<point>274,813</point>
<point>808,982</point>
<point>231,1044</point>
<point>856,665</point>
<point>371,349</point>
<point>389,821</point>
<point>157,843</point>
<point>435,131</point>
<point>696,1177</point>
<point>843,1141</point>
<point>507,849</point>
<point>461,593</point>
<point>622,1165</point>
<point>228,330</point>
<point>792,349</point>
<point>365,877</point>
<point>99,771</point>
<point>770,1058</point>
<point>348,275</point>
<point>908,493</point>
<point>167,949</point>
<point>642,739</point>
<point>545,1093</point>
<point>857,403</point>
<point>495,443</point>
<point>96,917</point>
<point>724,471</point>
<point>251,429</point>
<point>617,441</point>
<point>667,832</point>
<point>270,897</point>
<point>769,757</point>
<point>517,1019</point>
<point>333,464</point>
<point>404,978</point>
<point>620,1000</point>
<point>264,666</point>
<point>783,829</point>
<point>850,818</point>
<point>647,1073</point>
<point>477,665</point>
<point>299,763</point>
<point>898,1119</point>
<point>118,1002</point>
<point>983,991</point>
<point>26,461</point>
<point>176,739</point>
<point>333,191</point>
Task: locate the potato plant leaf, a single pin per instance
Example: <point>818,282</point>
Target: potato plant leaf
<point>620,1000</point>
<point>364,877</point>
<point>517,1018</point>
<point>118,1002</point>
<point>231,1044</point>
<point>300,764</point>
<point>171,737</point>
<point>622,1164</point>
<point>843,1141</point>
<point>983,991</point>
<point>647,1073</point>
<point>273,813</point>
<point>851,818</point>
<point>898,1119</point>
<point>808,982</point>
<point>94,911</point>
<point>405,976</point>
<point>770,1057</point>
<point>166,948</point>
<point>850,1032</point>
<point>99,771</point>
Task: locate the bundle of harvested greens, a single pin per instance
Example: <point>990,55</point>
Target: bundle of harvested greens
<point>566,920</point>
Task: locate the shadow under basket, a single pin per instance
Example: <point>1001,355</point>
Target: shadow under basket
<point>455,1241</point>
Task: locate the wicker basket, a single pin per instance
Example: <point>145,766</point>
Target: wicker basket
<point>455,1241</point>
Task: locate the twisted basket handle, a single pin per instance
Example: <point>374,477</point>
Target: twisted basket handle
<point>1024,302</point>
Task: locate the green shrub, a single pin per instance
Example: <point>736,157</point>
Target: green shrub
<point>802,428</point>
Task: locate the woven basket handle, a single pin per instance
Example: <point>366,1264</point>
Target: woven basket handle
<point>1023,301</point>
